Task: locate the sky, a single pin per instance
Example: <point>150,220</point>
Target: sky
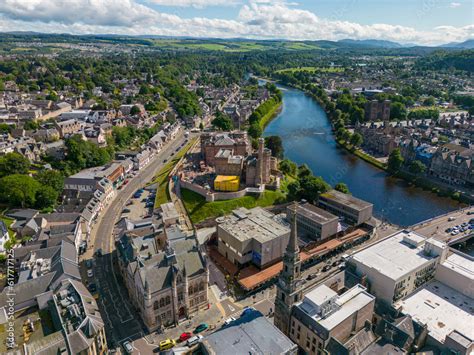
<point>426,22</point>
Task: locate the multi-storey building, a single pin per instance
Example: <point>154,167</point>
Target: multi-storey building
<point>166,286</point>
<point>323,315</point>
<point>252,236</point>
<point>398,265</point>
<point>314,223</point>
<point>353,209</point>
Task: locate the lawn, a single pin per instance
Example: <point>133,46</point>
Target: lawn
<point>161,178</point>
<point>8,222</point>
<point>200,210</point>
<point>269,116</point>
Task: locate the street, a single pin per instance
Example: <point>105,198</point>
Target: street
<point>122,322</point>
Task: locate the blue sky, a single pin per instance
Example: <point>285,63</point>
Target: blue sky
<point>408,21</point>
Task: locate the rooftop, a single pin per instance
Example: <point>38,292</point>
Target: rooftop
<point>250,334</point>
<point>442,309</point>
<point>315,213</point>
<point>461,265</point>
<point>256,223</point>
<point>342,307</point>
<point>395,256</point>
<point>346,199</point>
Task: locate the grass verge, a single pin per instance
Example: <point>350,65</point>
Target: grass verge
<point>200,210</point>
<point>369,159</point>
<point>265,120</point>
<point>161,178</point>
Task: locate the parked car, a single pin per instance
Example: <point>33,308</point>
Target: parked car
<point>311,276</point>
<point>167,344</point>
<point>450,219</point>
<point>127,346</point>
<point>92,288</point>
<point>194,340</point>
<point>126,210</point>
<point>470,213</point>
<point>185,336</point>
<point>90,273</point>
<point>229,320</point>
<point>201,327</point>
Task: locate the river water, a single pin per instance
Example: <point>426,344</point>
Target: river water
<point>307,138</point>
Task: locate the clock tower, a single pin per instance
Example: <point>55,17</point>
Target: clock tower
<point>289,283</point>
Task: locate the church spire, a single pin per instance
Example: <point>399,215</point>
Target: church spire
<point>292,246</point>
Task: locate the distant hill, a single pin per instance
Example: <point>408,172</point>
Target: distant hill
<point>469,44</point>
<point>376,43</point>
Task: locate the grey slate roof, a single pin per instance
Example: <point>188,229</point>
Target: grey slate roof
<point>250,334</point>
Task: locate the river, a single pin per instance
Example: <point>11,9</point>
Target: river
<point>307,138</point>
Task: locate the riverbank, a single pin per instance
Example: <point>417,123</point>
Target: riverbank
<point>270,115</point>
<point>423,182</point>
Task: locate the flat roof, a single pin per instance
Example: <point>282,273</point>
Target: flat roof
<point>169,210</point>
<point>348,303</point>
<point>393,257</point>
<point>346,199</point>
<point>314,213</point>
<point>255,223</point>
<point>442,309</point>
<point>461,265</point>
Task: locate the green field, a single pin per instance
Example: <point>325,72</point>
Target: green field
<point>200,210</point>
<point>312,70</point>
<point>161,178</point>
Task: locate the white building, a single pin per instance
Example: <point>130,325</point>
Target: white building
<point>398,265</point>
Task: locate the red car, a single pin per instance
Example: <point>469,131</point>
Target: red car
<point>185,336</point>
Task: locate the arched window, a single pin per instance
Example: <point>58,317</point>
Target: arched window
<point>201,286</point>
<point>168,300</point>
<point>196,288</point>
<point>156,305</point>
<point>162,302</point>
<point>190,290</point>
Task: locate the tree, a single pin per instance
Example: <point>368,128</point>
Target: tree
<point>255,130</point>
<point>222,122</point>
<point>341,187</point>
<point>19,190</point>
<point>312,186</point>
<point>395,161</point>
<point>398,111</point>
<point>288,167</point>
<point>417,167</point>
<point>471,110</point>
<point>304,171</point>
<point>135,110</point>
<point>45,197</point>
<point>275,144</point>
<point>356,139</point>
<point>51,178</point>
<point>346,135</point>
<point>14,163</point>
<point>429,101</point>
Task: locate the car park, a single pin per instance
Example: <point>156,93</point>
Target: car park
<point>194,340</point>
<point>201,327</point>
<point>167,344</point>
<point>127,346</point>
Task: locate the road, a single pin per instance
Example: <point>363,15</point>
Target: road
<point>122,321</point>
<point>102,231</point>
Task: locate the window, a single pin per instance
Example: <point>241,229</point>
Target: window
<point>296,298</point>
<point>162,302</point>
<point>201,286</point>
<point>190,290</point>
<point>156,305</point>
<point>168,300</point>
<point>180,297</point>
<point>196,288</point>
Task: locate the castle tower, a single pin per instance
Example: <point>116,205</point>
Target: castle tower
<point>260,161</point>
<point>289,289</point>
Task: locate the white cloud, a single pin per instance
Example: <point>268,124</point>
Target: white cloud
<point>454,5</point>
<point>256,19</point>
<point>195,3</point>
